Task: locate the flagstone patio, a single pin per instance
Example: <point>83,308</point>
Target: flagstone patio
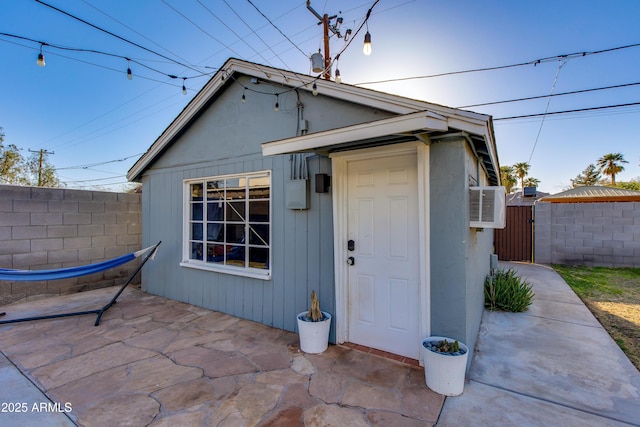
<point>158,362</point>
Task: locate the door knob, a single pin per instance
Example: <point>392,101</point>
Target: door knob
<point>351,260</point>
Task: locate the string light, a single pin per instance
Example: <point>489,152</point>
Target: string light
<point>184,88</point>
<point>244,98</point>
<point>338,78</point>
<point>129,73</point>
<point>276,107</point>
<point>315,89</point>
<point>40,60</point>
<point>366,49</point>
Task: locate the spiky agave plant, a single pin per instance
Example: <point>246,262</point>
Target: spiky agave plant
<point>505,290</point>
<point>445,346</point>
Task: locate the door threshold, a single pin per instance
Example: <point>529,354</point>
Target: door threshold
<point>381,353</point>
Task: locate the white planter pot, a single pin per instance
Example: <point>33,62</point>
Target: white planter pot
<point>314,336</point>
<point>444,373</point>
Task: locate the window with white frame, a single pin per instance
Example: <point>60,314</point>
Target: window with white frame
<point>227,223</point>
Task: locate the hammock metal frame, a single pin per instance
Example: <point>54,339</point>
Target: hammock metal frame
<point>99,311</point>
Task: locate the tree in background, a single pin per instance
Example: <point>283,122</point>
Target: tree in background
<point>11,163</point>
<point>531,182</point>
<point>508,178</point>
<point>634,184</point>
<point>521,170</point>
<point>15,169</point>
<point>589,176</point>
<point>611,164</point>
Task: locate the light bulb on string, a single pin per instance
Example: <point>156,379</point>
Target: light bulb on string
<point>276,107</point>
<point>315,89</point>
<point>338,77</point>
<point>366,49</point>
<point>244,98</point>
<point>40,60</point>
<point>129,73</point>
<point>184,88</point>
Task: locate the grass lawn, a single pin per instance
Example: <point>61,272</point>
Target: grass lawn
<point>613,296</point>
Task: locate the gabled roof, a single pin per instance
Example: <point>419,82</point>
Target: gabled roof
<point>477,128</point>
<point>594,194</point>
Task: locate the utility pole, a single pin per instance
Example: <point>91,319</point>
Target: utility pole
<point>325,20</point>
<point>42,153</point>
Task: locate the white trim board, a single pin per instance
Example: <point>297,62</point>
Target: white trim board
<point>339,193</point>
<point>422,120</point>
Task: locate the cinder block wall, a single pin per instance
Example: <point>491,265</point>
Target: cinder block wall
<point>592,234</point>
<point>48,228</point>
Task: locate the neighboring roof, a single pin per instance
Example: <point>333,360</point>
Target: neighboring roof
<point>439,121</point>
<point>516,199</point>
<point>594,194</point>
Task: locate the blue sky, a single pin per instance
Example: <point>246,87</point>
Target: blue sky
<point>82,107</point>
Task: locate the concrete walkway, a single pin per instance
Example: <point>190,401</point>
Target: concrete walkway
<point>158,362</point>
<point>553,365</point>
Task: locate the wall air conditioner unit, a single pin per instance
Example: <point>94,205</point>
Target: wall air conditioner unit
<point>487,207</point>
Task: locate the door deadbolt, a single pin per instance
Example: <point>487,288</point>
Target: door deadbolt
<point>351,245</point>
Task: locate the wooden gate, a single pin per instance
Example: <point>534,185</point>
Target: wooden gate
<point>514,242</point>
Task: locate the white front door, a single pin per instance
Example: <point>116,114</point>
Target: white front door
<point>384,279</point>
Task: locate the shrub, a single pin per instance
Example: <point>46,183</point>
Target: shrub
<point>506,291</point>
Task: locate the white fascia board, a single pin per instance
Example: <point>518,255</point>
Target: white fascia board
<point>391,126</point>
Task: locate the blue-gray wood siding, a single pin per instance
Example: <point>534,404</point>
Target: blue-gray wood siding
<point>226,139</point>
<point>460,255</point>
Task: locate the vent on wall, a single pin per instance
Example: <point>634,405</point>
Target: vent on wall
<point>487,207</point>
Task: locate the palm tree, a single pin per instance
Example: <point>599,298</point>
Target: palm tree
<point>507,178</point>
<point>611,164</point>
<point>531,182</point>
<point>521,170</point>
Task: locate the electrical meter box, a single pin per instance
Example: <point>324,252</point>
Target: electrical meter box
<point>297,194</point>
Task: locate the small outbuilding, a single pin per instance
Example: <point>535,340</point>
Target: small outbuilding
<point>271,184</point>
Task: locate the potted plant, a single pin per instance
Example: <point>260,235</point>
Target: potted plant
<point>445,364</point>
<point>313,327</point>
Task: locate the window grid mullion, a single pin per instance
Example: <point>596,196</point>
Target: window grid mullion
<point>244,219</point>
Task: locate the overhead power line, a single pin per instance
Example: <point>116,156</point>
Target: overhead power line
<point>133,30</point>
<point>90,165</point>
<point>200,28</point>
<point>251,29</point>
<point>278,29</point>
<point>501,67</point>
<point>529,98</point>
<point>553,88</point>
<point>579,110</point>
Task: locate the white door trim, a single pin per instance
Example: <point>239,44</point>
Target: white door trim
<point>339,162</point>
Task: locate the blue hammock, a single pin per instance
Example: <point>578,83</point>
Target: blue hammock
<point>65,273</point>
